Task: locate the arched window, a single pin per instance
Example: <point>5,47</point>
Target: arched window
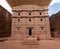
<point>18,20</point>
<point>40,13</point>
<point>29,13</point>
<point>18,13</point>
<point>29,19</point>
<point>41,19</point>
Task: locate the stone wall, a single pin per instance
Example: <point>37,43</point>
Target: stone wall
<point>5,22</point>
<point>55,25</point>
<point>30,16</point>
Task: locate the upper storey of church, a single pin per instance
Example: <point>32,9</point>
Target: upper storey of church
<point>30,10</point>
<point>14,3</point>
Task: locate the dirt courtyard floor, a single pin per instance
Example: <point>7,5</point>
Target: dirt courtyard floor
<point>43,44</point>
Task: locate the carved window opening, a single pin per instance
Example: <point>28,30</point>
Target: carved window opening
<point>40,13</point>
<point>30,20</point>
<point>29,13</point>
<point>41,19</point>
<point>18,13</point>
<point>18,20</point>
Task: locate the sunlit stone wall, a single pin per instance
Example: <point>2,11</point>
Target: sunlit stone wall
<point>30,21</point>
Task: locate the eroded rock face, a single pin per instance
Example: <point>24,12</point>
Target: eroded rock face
<point>55,25</point>
<point>5,23</point>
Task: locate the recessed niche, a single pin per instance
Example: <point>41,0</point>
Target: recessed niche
<point>41,19</point>
<point>18,13</point>
<point>40,13</point>
<point>29,19</point>
<point>18,20</point>
<point>29,13</point>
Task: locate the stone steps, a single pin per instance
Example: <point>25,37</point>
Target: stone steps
<point>30,41</point>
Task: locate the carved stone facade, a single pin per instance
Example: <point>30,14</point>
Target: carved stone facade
<point>30,22</point>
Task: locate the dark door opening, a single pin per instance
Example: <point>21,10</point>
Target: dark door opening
<point>30,31</point>
<point>52,33</point>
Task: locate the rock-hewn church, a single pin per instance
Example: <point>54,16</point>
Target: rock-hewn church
<point>30,20</point>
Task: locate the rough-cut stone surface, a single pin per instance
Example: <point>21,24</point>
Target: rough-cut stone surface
<point>55,25</point>
<point>5,22</point>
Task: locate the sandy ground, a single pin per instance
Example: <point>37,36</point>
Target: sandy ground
<point>43,44</point>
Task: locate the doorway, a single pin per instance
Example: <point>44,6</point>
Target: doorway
<point>52,32</point>
<point>30,31</point>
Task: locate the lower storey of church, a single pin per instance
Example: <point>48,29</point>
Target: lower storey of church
<point>30,33</point>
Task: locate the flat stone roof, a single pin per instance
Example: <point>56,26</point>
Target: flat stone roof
<point>14,3</point>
